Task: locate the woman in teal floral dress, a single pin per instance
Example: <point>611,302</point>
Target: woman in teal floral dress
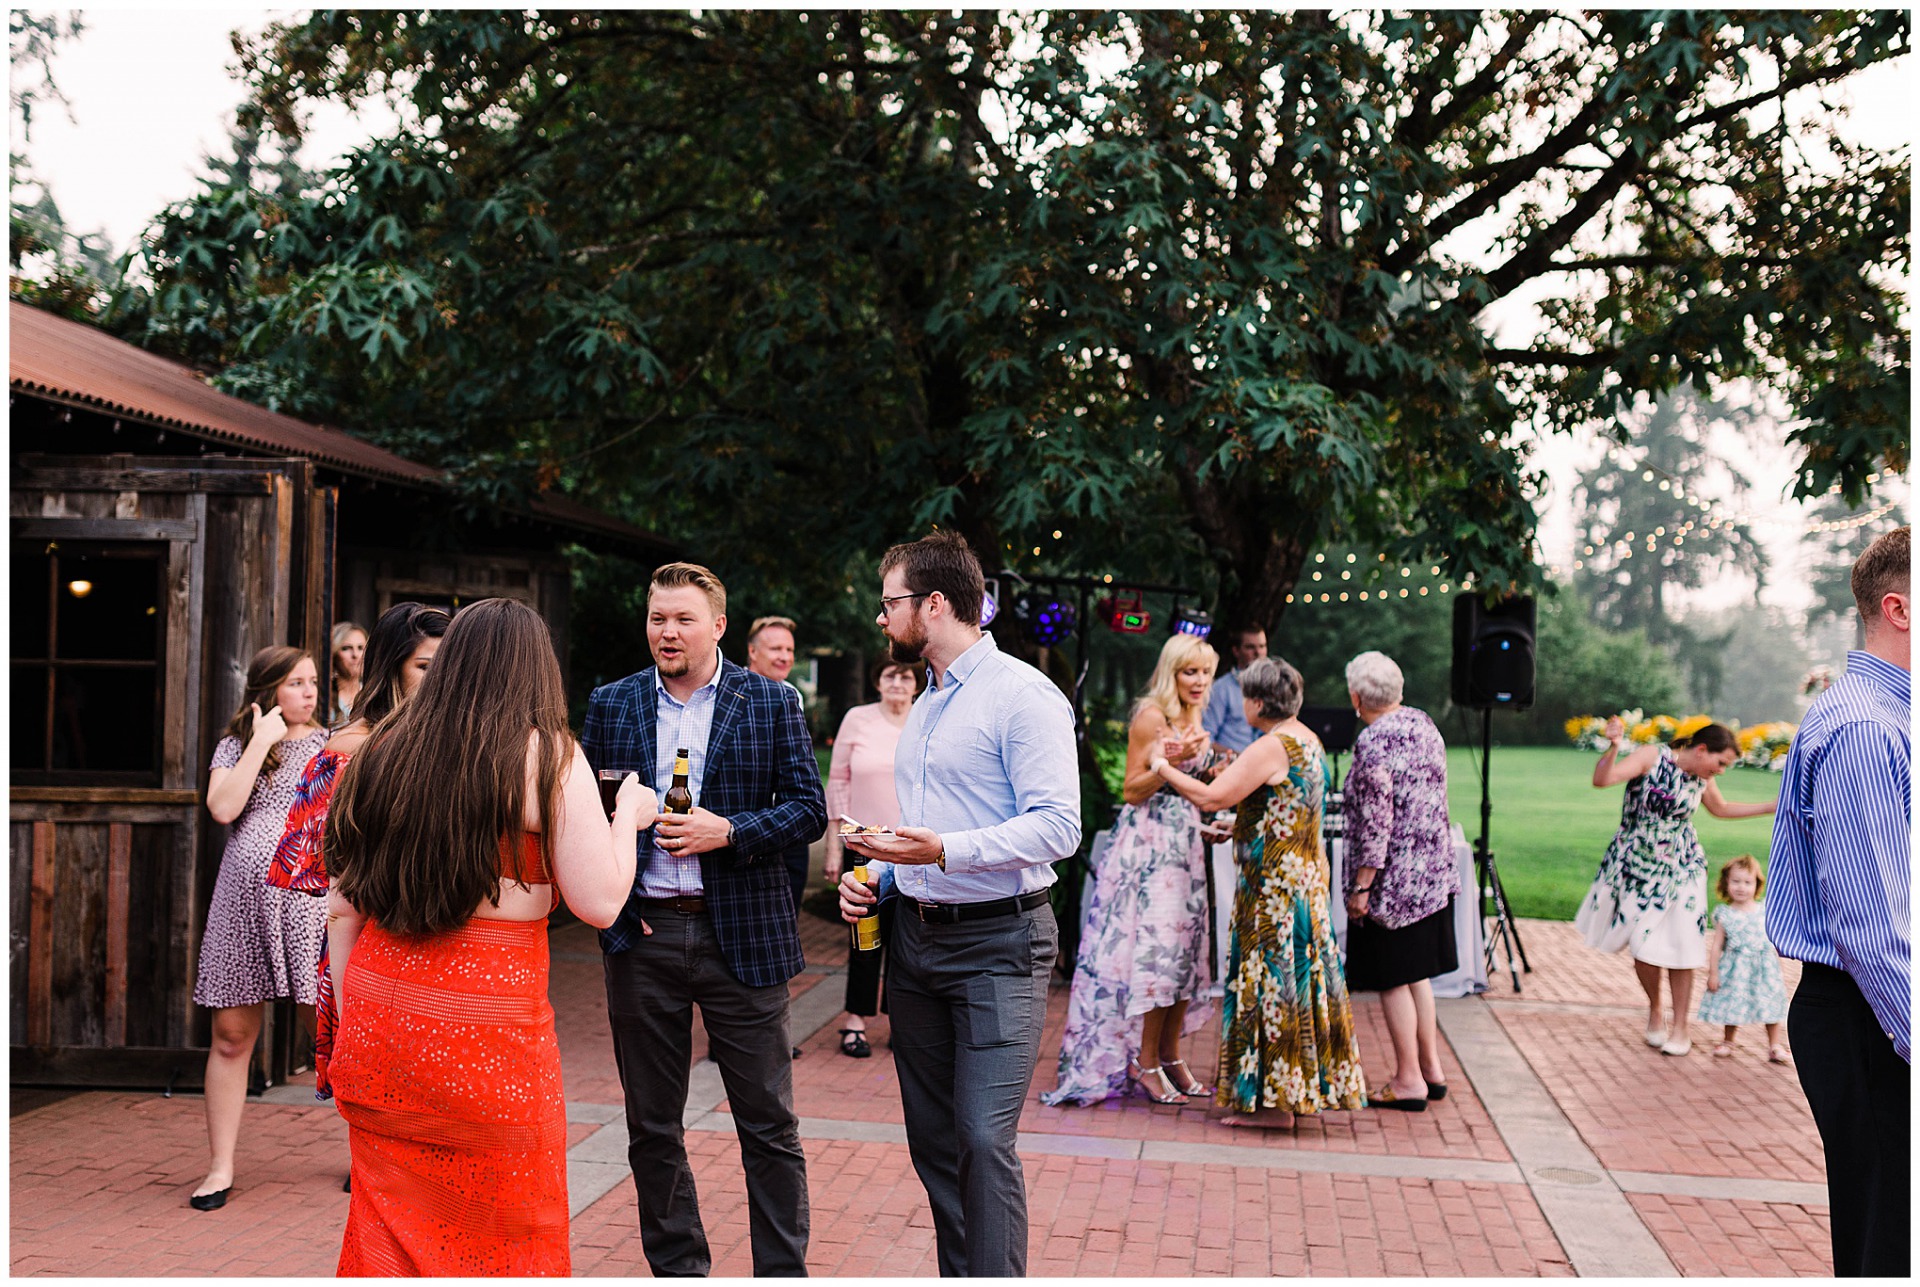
<point>1287,1043</point>
<point>1650,895</point>
<point>1143,961</point>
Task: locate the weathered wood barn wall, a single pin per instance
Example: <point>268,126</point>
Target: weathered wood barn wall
<point>162,532</point>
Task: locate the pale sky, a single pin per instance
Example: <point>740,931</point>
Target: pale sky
<point>152,90</point>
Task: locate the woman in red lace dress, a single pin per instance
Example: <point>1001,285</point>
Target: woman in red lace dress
<point>397,656</point>
<point>447,838</point>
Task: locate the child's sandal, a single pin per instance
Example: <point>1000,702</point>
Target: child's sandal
<point>1723,1050</point>
<point>1778,1055</point>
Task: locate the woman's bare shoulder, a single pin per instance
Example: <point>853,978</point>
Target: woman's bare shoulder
<point>1147,718</point>
<point>349,739</point>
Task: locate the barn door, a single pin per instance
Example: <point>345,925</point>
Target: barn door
<point>140,587</point>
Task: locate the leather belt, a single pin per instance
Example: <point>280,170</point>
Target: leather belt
<point>686,904</point>
<point>954,913</point>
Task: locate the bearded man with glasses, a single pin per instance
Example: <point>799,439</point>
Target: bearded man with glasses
<point>989,787</point>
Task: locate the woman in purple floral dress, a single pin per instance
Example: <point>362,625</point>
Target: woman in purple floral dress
<point>1143,960</point>
<point>1400,876</point>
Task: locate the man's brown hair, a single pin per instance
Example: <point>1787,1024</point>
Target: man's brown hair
<point>1881,571</point>
<point>761,623</point>
<point>671,576</point>
<point>943,562</point>
<point>416,830</point>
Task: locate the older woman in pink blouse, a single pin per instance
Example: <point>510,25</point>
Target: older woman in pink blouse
<point>860,786</point>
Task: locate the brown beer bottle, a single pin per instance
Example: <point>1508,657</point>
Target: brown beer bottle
<point>679,797</point>
<point>866,930</point>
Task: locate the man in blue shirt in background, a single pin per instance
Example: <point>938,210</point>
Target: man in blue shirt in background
<point>1838,901</point>
<point>988,779</point>
<point>1225,719</point>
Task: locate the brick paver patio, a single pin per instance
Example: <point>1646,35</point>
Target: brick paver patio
<point>1627,1162</point>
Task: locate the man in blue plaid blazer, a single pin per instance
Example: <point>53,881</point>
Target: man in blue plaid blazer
<point>710,921</point>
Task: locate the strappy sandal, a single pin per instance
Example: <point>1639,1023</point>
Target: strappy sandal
<point>1193,1086</point>
<point>1723,1050</point>
<point>1139,1078</point>
<point>853,1042</point>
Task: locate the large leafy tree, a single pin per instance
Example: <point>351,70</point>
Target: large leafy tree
<point>1259,262</point>
<point>1197,292</point>
<point>51,265</point>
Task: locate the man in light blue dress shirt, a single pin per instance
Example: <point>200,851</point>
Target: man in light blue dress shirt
<point>1837,900</point>
<point>988,779</point>
<point>1225,718</point>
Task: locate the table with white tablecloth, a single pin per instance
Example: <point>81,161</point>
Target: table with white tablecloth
<point>1468,932</point>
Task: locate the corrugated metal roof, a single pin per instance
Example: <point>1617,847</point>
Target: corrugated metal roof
<point>48,354</point>
<point>80,364</point>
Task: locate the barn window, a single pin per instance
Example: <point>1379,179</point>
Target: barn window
<point>88,642</point>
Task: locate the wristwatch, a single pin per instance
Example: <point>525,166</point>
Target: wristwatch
<point>941,860</point>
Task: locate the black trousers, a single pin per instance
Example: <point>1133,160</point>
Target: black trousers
<point>1857,1087</point>
<point>651,990</point>
<point>863,969</point>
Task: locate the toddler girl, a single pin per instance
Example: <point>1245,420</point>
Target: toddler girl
<point>1744,983</point>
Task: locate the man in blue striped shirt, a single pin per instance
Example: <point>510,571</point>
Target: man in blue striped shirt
<point>1837,900</point>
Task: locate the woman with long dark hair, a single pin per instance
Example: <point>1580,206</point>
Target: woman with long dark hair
<point>260,943</point>
<point>402,647</point>
<point>447,837</point>
<point>1650,896</point>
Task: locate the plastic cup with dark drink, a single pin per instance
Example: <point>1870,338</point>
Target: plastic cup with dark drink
<point>610,780</point>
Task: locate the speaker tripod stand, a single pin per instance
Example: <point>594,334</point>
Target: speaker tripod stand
<point>1493,895</point>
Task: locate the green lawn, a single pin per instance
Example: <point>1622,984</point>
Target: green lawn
<point>1550,825</point>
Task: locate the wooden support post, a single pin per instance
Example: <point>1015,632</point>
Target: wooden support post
<point>119,877</point>
<point>40,940</point>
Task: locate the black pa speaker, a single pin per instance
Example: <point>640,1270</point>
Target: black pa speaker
<point>1493,652</point>
<point>1336,726</point>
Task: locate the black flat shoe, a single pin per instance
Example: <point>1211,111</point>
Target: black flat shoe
<point>1385,1098</point>
<point>346,1185</point>
<point>1436,1090</point>
<point>853,1043</point>
<point>210,1201</point>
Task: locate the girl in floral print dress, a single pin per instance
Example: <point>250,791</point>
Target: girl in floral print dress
<point>1744,982</point>
<point>1287,1045</point>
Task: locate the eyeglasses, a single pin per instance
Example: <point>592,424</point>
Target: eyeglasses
<point>886,602</point>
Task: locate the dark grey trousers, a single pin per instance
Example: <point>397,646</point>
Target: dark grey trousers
<point>967,1003</point>
<point>651,991</point>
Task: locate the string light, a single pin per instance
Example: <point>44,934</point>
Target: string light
<point>1716,520</point>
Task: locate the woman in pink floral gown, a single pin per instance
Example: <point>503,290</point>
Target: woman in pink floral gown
<point>1143,959</point>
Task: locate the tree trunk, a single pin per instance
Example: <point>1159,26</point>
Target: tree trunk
<point>1257,543</point>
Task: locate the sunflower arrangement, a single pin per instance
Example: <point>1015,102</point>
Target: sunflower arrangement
<point>1765,746</point>
<point>1762,746</point>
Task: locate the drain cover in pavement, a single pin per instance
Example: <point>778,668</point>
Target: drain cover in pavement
<point>1567,1175</point>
